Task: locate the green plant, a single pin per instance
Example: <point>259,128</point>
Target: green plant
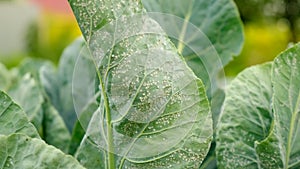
<point>259,125</point>
<point>140,90</point>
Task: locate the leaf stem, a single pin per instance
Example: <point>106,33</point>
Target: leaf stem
<point>111,156</point>
<point>110,148</point>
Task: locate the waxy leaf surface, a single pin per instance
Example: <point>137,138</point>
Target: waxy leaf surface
<point>153,111</point>
<point>21,151</point>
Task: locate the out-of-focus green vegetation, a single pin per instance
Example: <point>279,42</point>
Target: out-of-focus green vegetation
<point>262,44</point>
<point>270,26</point>
<point>272,11</point>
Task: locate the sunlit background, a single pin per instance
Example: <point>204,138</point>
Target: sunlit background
<point>35,28</point>
<point>43,28</point>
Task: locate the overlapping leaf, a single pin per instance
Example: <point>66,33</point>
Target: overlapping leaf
<point>13,119</point>
<point>54,129</point>
<point>208,33</point>
<point>58,84</point>
<point>27,93</point>
<point>206,26</point>
<point>20,151</point>
<point>246,118</point>
<point>30,94</point>
<point>259,125</point>
<point>153,111</point>
<point>81,125</point>
<point>281,149</point>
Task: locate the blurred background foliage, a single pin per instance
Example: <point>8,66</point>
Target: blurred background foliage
<point>50,34</point>
<point>270,27</point>
<point>50,26</point>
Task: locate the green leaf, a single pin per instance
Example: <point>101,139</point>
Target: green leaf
<point>246,118</point>
<point>35,101</point>
<point>85,84</point>
<point>217,100</point>
<point>98,13</point>
<point>33,66</point>
<point>90,155</point>
<point>76,138</point>
<point>283,150</point>
<point>13,119</point>
<point>218,19</point>
<point>208,35</point>
<point>27,93</point>
<point>153,111</point>
<point>210,161</point>
<point>241,137</point>
<point>55,131</point>
<point>81,126</point>
<point>27,90</point>
<point>86,97</point>
<point>189,118</point>
<point>58,85</point>
<point>20,151</point>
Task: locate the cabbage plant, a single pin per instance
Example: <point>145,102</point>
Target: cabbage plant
<point>144,87</point>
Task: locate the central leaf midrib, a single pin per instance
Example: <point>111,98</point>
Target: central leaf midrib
<point>111,161</point>
<point>291,132</point>
<point>110,150</point>
<point>110,138</point>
